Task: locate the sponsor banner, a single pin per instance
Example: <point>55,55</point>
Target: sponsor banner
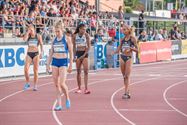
<point>184,47</point>
<point>176,46</point>
<point>12,60</point>
<point>147,52</point>
<point>163,13</point>
<point>163,50</point>
<point>100,55</point>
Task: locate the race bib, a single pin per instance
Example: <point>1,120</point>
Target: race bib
<point>33,43</point>
<point>80,43</point>
<point>125,47</point>
<point>59,48</point>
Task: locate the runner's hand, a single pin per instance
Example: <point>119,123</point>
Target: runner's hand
<point>48,68</point>
<point>82,57</point>
<point>40,55</point>
<point>69,69</point>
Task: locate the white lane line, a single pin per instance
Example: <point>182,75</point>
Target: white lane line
<point>112,100</point>
<point>49,111</point>
<point>177,99</point>
<point>15,93</point>
<point>159,63</point>
<point>165,99</point>
<point>10,80</point>
<point>26,112</point>
<point>92,83</point>
<point>154,75</point>
<point>146,110</point>
<point>91,110</point>
<point>92,71</point>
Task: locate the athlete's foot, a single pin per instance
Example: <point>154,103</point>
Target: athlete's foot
<point>79,91</point>
<point>58,108</point>
<point>126,96</point>
<point>26,86</point>
<point>68,104</point>
<point>86,91</point>
<point>35,88</point>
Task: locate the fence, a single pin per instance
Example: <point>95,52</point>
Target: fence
<point>44,25</point>
<point>12,56</point>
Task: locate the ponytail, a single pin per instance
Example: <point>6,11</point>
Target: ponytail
<point>78,27</point>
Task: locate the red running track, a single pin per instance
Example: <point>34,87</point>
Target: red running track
<point>159,97</point>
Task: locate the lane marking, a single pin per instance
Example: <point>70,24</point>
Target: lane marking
<point>134,65</point>
<point>15,93</point>
<point>177,99</point>
<point>165,99</point>
<point>154,74</point>
<point>92,83</point>
<point>146,110</point>
<point>112,100</point>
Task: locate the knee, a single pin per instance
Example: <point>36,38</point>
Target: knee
<point>78,71</point>
<point>58,86</point>
<point>85,72</point>
<point>63,86</point>
<point>35,72</point>
<point>26,70</point>
<point>126,76</point>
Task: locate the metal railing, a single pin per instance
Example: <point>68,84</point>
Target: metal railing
<point>44,25</point>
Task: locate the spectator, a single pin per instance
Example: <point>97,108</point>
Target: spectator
<point>99,36</point>
<point>141,21</point>
<point>157,35</point>
<point>165,34</point>
<point>120,13</point>
<point>142,37</point>
<point>174,35</point>
<point>39,26</point>
<point>30,20</point>
<point>183,36</point>
<point>93,23</point>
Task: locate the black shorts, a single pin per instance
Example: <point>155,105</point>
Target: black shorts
<point>125,58</point>
<point>32,54</point>
<point>81,53</point>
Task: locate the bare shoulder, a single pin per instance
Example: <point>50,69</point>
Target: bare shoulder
<point>87,35</point>
<point>68,38</point>
<point>133,38</point>
<point>73,36</point>
<point>38,36</point>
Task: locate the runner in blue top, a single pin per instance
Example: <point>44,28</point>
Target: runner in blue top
<point>60,48</point>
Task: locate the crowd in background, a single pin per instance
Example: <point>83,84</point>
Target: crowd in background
<point>162,34</point>
<point>15,15</point>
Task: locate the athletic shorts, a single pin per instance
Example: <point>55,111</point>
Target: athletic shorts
<point>81,53</point>
<point>59,62</point>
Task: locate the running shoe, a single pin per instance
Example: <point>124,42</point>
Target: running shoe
<point>58,108</point>
<point>87,91</point>
<point>126,96</point>
<point>26,86</point>
<point>35,88</point>
<point>68,104</point>
<point>78,91</point>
